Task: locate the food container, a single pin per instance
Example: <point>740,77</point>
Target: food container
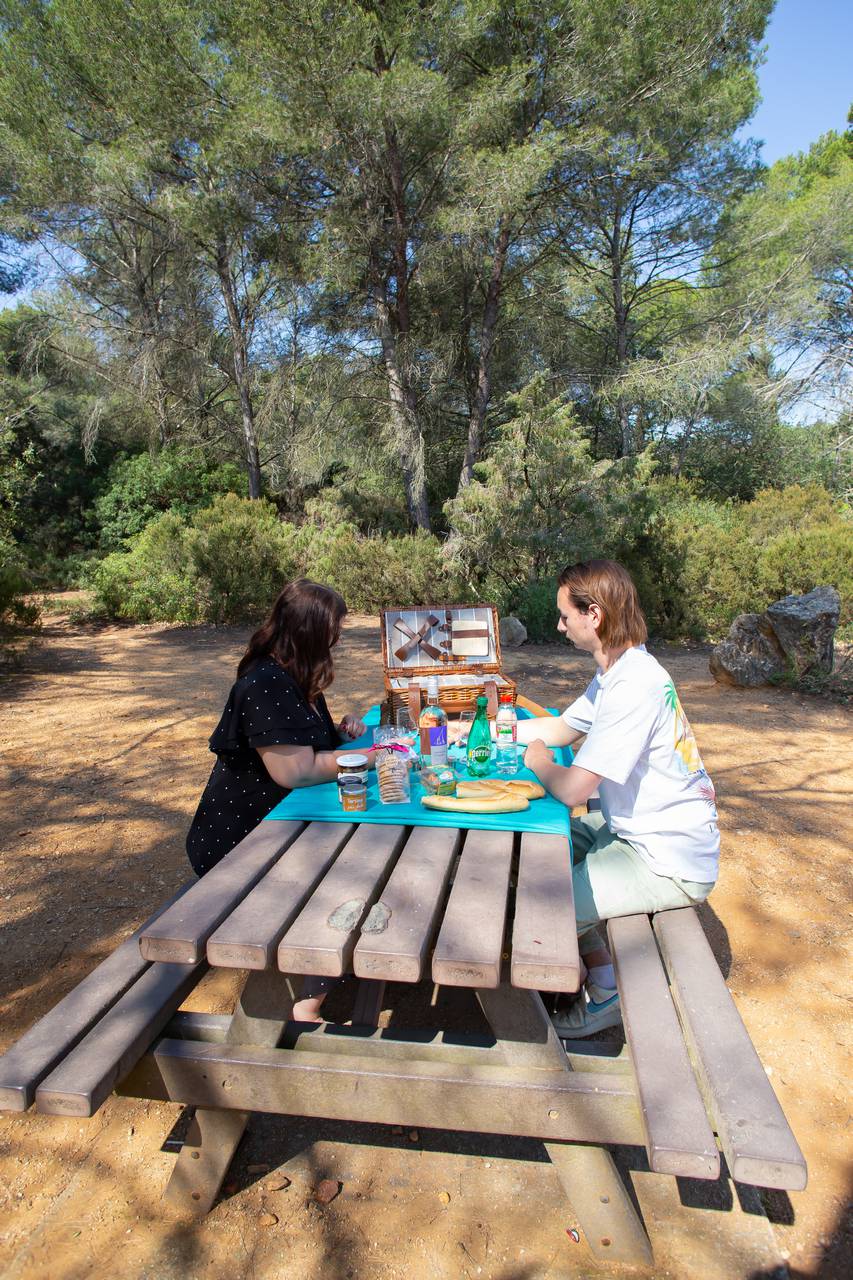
<point>392,773</point>
<point>353,795</point>
<point>460,644</point>
<point>439,780</point>
<point>351,765</point>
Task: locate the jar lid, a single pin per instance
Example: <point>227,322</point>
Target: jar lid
<point>353,784</point>
<point>352,760</point>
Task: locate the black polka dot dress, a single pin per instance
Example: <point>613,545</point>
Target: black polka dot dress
<point>265,708</point>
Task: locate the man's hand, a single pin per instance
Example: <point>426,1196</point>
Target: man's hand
<point>351,727</point>
<point>537,755</point>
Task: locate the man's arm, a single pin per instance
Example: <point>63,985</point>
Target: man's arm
<point>552,730</point>
<point>573,785</point>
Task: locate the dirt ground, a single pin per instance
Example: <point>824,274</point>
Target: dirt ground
<point>103,755</point>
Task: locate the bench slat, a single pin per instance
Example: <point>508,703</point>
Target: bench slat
<point>470,943</point>
<point>249,937</point>
<point>755,1136</point>
<point>38,1051</point>
<point>544,933</point>
<point>322,938</point>
<point>409,908</point>
<point>679,1139</point>
<point>181,933</point>
<point>86,1077</point>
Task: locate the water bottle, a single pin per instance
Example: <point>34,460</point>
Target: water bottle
<point>506,736</point>
<point>479,754</point>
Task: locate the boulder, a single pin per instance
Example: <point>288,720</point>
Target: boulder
<point>750,655</point>
<point>805,628</point>
<point>513,633</point>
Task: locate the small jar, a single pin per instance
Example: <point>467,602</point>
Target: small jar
<point>353,795</point>
<point>351,765</point>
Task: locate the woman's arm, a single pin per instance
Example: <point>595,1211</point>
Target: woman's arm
<point>573,785</point>
<point>293,767</point>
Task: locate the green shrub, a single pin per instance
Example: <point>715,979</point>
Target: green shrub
<point>143,486</point>
<point>15,609</point>
<point>536,605</point>
<point>153,581</point>
<point>240,554</point>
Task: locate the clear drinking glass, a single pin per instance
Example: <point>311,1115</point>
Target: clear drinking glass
<point>466,719</point>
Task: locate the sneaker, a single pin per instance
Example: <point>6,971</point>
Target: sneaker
<point>594,1009</point>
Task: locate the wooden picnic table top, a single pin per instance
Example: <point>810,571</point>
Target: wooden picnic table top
<point>330,898</point>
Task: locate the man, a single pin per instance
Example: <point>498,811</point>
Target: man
<point>655,844</point>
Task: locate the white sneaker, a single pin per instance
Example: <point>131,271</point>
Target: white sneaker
<point>594,1009</point>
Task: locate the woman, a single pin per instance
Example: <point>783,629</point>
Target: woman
<point>276,732</point>
<point>655,845</point>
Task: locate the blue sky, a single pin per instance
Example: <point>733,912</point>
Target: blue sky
<point>807,79</point>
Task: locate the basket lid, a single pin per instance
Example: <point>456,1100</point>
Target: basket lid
<point>430,639</point>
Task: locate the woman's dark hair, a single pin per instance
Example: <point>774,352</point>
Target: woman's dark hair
<point>304,624</point>
<point>610,586</point>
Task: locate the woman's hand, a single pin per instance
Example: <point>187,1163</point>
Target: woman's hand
<point>351,727</point>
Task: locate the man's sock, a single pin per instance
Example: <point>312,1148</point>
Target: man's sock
<point>603,976</point>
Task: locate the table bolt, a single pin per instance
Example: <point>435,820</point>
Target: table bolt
<point>552,1115</point>
<point>196,1155</point>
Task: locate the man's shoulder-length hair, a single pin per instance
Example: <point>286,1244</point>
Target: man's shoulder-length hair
<point>609,585</point>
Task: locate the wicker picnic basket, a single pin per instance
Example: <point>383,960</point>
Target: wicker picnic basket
<point>460,644</point>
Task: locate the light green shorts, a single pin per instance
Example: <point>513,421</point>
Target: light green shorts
<point>611,879</point>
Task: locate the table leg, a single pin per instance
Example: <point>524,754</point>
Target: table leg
<point>262,1013</point>
<point>590,1179</point>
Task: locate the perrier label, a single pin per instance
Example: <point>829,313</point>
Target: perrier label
<point>480,742</point>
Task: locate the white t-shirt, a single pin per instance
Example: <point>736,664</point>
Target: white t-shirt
<point>654,792</point>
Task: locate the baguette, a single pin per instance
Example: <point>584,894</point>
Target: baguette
<point>485,804</point>
<point>500,786</point>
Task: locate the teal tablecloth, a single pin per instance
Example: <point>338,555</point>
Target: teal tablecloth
<point>321,803</point>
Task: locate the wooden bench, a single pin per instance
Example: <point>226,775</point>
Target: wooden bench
<point>394,903</point>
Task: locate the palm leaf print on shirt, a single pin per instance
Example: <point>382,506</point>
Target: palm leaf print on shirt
<point>684,740</point>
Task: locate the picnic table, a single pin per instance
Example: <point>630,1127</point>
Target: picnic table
<point>490,911</point>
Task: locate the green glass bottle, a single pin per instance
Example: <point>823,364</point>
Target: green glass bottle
<point>480,742</point>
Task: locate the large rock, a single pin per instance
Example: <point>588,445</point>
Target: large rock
<point>512,632</point>
<point>805,628</point>
<point>750,655</point>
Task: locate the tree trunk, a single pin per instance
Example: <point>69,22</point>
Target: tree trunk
<point>620,324</point>
<point>403,417</point>
<point>394,323</point>
<point>241,369</point>
<point>491,310</point>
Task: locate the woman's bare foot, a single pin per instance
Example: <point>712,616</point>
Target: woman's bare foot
<point>308,1010</point>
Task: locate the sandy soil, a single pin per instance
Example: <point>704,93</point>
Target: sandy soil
<point>103,755</point>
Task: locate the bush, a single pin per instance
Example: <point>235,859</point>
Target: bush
<point>738,558</point>
<point>229,561</point>
<point>153,581</point>
<point>240,555</point>
<point>15,609</point>
<point>178,480</point>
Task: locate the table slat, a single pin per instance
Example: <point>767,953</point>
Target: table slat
<point>85,1079</point>
<point>544,933</point>
<point>324,934</point>
<point>470,943</point>
<point>181,933</point>
<point>394,944</point>
<point>755,1136</point>
<point>249,937</point>
<point>679,1139</point>
<point>37,1052</point>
